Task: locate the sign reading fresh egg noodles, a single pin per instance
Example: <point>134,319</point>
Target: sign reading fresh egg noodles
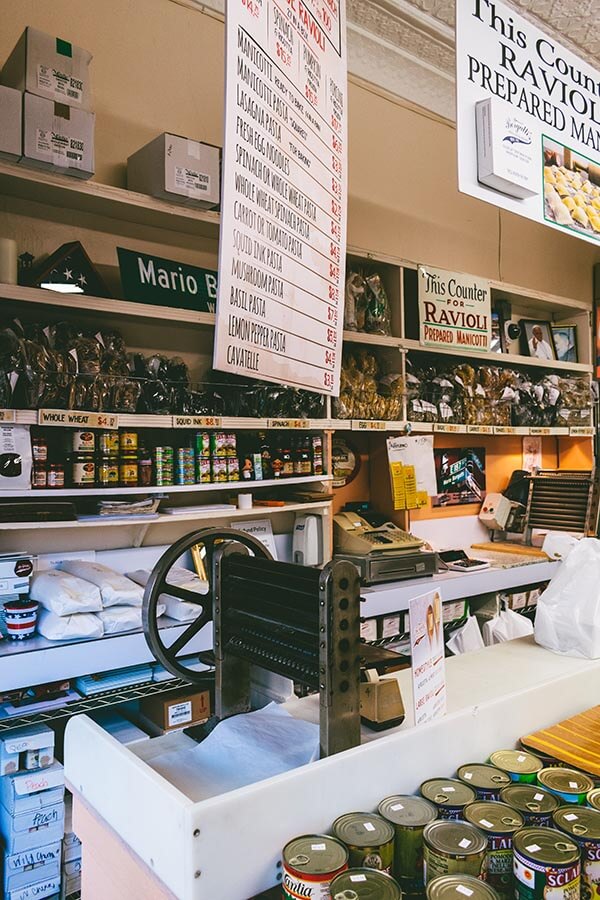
<point>528,120</point>
<point>283,220</point>
<point>455,311</point>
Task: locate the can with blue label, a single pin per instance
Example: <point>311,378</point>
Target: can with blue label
<point>569,785</point>
<point>520,765</point>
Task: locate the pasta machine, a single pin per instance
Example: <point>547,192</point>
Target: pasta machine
<point>299,622</point>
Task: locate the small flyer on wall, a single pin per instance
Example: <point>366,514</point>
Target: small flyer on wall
<point>427,653</point>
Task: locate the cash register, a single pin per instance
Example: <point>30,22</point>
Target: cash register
<point>378,548</point>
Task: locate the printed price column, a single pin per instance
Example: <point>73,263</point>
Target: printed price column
<point>284,193</point>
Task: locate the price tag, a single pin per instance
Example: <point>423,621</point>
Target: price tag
<point>8,416</point>
<point>288,423</point>
<point>577,430</point>
<point>197,422</point>
<point>504,429</point>
<point>542,431</point>
<point>368,425</point>
<point>450,429</point>
<point>77,418</point>
<point>480,429</point>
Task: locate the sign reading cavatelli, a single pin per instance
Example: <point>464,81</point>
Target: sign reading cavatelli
<point>528,120</point>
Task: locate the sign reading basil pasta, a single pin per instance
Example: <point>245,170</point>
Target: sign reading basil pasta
<point>528,120</point>
<point>283,220</point>
<point>455,311</point>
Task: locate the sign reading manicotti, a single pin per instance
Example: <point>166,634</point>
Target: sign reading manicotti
<point>283,219</point>
<point>455,311</point>
<point>528,120</point>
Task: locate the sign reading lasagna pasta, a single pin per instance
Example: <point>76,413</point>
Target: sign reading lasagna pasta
<point>528,120</point>
<point>283,219</point>
<point>455,311</point>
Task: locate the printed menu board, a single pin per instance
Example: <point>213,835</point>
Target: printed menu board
<point>283,219</point>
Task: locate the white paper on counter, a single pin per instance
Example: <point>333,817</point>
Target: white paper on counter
<point>418,452</point>
<point>241,750</point>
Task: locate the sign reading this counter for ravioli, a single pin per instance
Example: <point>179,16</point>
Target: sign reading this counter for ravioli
<point>283,219</point>
<point>454,310</point>
<point>528,120</point>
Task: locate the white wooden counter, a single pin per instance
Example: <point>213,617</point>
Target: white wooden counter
<point>228,847</point>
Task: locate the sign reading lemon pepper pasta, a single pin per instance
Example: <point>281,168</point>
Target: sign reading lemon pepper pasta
<point>455,311</point>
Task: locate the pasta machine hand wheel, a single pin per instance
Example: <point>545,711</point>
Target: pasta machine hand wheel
<point>201,544</point>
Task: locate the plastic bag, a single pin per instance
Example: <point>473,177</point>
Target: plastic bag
<point>63,594</point>
<point>69,628</point>
<point>466,639</point>
<point>568,612</point>
<point>116,589</point>
<point>506,626</point>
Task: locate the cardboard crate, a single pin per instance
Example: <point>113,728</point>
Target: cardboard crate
<point>57,137</point>
<point>177,169</point>
<point>172,711</point>
<point>49,67</point>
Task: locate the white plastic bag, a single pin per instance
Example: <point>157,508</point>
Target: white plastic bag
<point>506,626</point>
<point>69,628</point>
<point>63,594</point>
<point>568,612</point>
<point>466,639</point>
<point>116,589</point>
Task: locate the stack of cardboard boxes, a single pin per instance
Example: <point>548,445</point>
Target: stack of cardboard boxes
<point>71,860</point>
<point>45,105</point>
<point>32,813</point>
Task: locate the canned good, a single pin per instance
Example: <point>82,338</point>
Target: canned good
<point>535,804</point>
<point>128,471</point>
<point>20,618</point>
<point>364,884</point>
<point>546,864</point>
<point>486,780</point>
<point>218,468</point>
<point>593,798</point>
<point>128,441</point>
<point>144,468</point>
<point>310,863</point>
<point>409,816</point>
<point>520,764</point>
<point>56,475</point>
<point>203,471</point>
<point>84,441</point>
<point>202,443</point>
<point>185,467</point>
<point>108,472</point>
<point>233,469</point>
<point>568,784</point>
<point>39,478</point>
<point>449,795</point>
<point>108,443</point>
<point>162,459</point>
<point>583,826</point>
<point>453,848</point>
<point>369,839</point>
<point>83,471</point>
<point>218,444</point>
<point>231,445</point>
<point>457,887</point>
<point>498,822</point>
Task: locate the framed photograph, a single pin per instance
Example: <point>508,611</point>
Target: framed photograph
<point>536,339</point>
<point>565,342</point>
<point>496,345</point>
<point>460,475</point>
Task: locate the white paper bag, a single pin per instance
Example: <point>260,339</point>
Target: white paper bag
<point>466,639</point>
<point>568,612</point>
<point>506,626</point>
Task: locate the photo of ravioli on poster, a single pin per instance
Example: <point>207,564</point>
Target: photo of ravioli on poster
<point>460,475</point>
<point>571,189</point>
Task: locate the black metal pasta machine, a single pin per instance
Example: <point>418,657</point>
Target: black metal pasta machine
<point>296,621</point>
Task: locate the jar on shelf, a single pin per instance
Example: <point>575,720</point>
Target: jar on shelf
<point>39,449</point>
<point>108,443</point>
<point>56,475</point>
<point>39,477</point>
<point>83,441</point>
<point>83,470</point>
<point>129,470</point>
<point>144,467</point>
<point>108,471</point>
<point>128,442</point>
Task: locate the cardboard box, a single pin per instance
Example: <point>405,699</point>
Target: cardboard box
<point>177,710</point>
<point>57,137</point>
<point>177,169</point>
<point>11,119</point>
<point>32,866</point>
<point>508,152</point>
<point>35,828</point>
<point>17,741</point>
<point>42,890</point>
<point>27,791</point>
<point>49,67</point>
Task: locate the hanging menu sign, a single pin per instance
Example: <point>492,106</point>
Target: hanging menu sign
<point>455,311</point>
<point>283,219</point>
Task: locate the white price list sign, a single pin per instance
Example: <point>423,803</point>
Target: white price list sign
<point>284,210</point>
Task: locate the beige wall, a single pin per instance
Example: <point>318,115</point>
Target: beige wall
<point>159,66</point>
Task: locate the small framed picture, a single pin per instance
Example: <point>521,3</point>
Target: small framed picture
<point>497,326</point>
<point>536,339</point>
<point>565,342</point>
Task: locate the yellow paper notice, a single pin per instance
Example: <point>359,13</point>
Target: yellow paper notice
<point>398,485</point>
<point>422,499</point>
<point>410,487</point>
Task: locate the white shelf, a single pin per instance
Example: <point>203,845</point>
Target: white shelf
<point>127,420</point>
<point>37,660</point>
<point>84,303</point>
<point>370,426</point>
<point>511,359</point>
<point>170,489</point>
<point>66,192</point>
<point>165,519</point>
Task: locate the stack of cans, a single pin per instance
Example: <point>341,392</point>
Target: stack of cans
<point>162,458</point>
<point>185,468</point>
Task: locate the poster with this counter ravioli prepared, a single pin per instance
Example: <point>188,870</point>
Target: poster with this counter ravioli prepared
<point>283,219</point>
<point>454,310</point>
<point>528,120</point>
<point>427,654</point>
